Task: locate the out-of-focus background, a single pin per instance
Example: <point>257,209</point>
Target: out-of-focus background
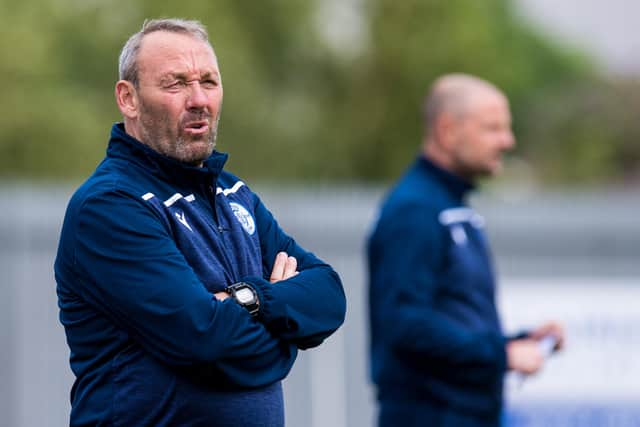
<point>321,113</point>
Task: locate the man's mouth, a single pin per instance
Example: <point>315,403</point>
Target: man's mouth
<point>198,127</point>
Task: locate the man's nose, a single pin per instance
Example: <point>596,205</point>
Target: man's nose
<point>197,96</point>
<point>509,140</point>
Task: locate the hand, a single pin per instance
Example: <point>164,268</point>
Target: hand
<point>284,267</point>
<point>550,328</point>
<point>524,356</point>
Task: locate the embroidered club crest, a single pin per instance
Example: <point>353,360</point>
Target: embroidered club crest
<point>244,217</point>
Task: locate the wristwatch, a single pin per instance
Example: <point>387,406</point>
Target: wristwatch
<point>246,296</point>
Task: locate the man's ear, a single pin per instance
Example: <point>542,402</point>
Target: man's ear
<point>445,129</point>
<point>127,99</point>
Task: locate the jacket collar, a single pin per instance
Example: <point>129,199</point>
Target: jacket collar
<point>122,145</point>
<point>456,185</point>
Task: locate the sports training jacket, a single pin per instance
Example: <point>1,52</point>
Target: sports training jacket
<point>436,338</point>
<point>145,243</point>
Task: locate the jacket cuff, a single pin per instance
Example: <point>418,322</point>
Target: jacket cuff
<point>518,336</point>
<point>273,313</point>
<point>503,363</point>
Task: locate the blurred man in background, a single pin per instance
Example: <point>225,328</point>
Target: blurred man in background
<point>438,353</point>
<point>183,302</point>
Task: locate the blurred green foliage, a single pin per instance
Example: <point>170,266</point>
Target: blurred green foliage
<point>314,90</point>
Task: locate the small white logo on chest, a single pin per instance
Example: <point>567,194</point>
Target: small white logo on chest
<point>244,217</point>
<point>183,220</point>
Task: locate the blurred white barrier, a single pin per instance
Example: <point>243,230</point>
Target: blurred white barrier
<point>596,380</point>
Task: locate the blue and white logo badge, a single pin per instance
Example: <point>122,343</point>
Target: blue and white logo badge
<point>244,217</point>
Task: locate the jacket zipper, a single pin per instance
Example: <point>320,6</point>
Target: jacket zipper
<point>220,229</point>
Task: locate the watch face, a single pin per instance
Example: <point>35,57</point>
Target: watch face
<point>244,296</point>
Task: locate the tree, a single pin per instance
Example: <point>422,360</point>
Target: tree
<point>299,104</point>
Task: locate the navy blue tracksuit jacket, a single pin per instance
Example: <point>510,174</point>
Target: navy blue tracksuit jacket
<point>437,349</point>
<point>145,243</point>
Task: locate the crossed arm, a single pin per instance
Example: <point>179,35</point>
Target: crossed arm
<point>303,301</point>
<point>129,269</point>
<point>284,267</point>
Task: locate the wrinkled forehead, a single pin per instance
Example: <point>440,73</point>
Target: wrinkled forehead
<point>162,51</point>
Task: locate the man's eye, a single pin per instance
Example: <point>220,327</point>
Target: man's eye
<point>209,84</point>
<point>175,85</point>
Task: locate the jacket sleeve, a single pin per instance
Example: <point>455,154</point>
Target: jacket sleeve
<point>405,258</point>
<point>306,308</point>
<point>131,270</point>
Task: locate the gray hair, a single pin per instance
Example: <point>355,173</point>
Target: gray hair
<point>128,61</point>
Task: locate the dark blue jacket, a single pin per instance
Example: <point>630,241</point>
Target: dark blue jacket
<point>435,333</point>
<point>145,243</point>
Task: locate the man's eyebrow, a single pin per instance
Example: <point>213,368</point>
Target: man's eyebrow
<point>184,76</point>
<point>172,76</point>
<point>210,74</point>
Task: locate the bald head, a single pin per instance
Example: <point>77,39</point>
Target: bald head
<point>454,94</point>
<point>468,125</point>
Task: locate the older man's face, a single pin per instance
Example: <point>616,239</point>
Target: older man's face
<point>179,95</point>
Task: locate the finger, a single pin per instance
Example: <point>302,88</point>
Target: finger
<point>290,268</point>
<point>555,329</point>
<point>221,296</point>
<point>278,267</point>
<point>559,333</point>
<point>543,330</point>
